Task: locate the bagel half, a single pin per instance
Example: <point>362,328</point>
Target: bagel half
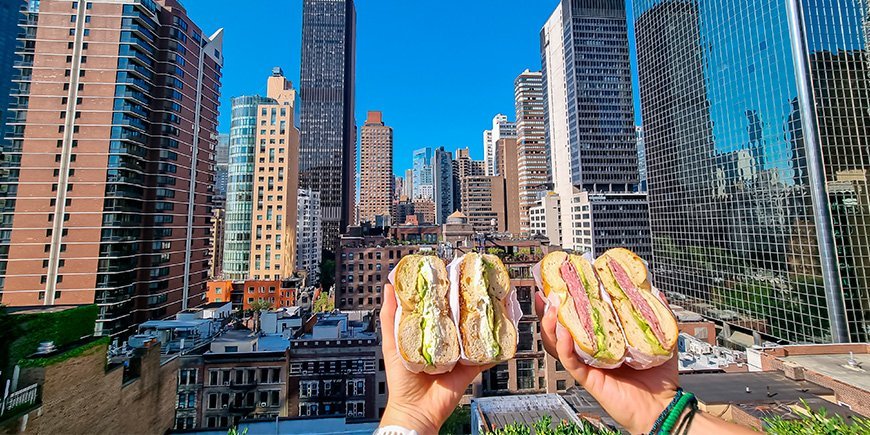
<point>582,311</point>
<point>426,334</point>
<point>488,334</point>
<point>649,324</point>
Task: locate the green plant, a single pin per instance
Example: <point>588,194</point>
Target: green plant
<point>544,426</point>
<point>816,422</point>
<point>20,334</point>
<point>455,424</point>
<point>256,308</point>
<point>323,304</point>
<point>101,343</point>
<point>236,431</point>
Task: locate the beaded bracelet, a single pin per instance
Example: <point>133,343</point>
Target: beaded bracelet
<point>677,412</point>
<point>666,412</point>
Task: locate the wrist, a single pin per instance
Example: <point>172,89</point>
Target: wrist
<point>655,405</point>
<point>409,417</point>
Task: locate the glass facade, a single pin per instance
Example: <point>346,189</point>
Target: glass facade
<point>755,124</point>
<point>327,153</point>
<point>424,184</point>
<point>443,185</point>
<point>10,17</point>
<point>240,186</point>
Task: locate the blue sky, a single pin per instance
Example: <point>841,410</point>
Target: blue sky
<point>438,70</point>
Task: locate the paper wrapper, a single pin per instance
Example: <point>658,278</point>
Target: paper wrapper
<point>634,358</point>
<point>412,367</point>
<point>514,311</point>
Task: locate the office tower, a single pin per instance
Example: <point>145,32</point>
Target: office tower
<point>483,202</point>
<point>641,160</point>
<point>376,169</point>
<point>424,185</point>
<point>506,163</point>
<point>757,163</point>
<point>409,184</point>
<point>545,217</point>
<point>590,122</point>
<point>398,188</point>
<point>442,177</point>
<point>532,156</point>
<point>309,243</point>
<point>327,156</point>
<point>501,129</point>
<point>10,18</point>
<point>240,187</point>
<point>108,184</point>
<point>463,167</point>
<point>275,183</point>
<point>221,169</point>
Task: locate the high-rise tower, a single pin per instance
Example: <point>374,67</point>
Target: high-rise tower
<point>532,157</point>
<point>376,169</point>
<point>327,155</point>
<point>108,180</point>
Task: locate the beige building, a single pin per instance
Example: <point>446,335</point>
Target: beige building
<point>425,210</point>
<point>506,162</point>
<point>376,169</point>
<point>544,219</point>
<point>483,202</point>
<point>276,183</point>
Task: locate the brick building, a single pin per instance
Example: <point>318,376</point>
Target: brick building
<point>244,293</point>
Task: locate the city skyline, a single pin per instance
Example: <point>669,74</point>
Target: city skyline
<point>392,87</point>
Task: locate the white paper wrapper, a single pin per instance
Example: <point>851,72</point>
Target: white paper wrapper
<point>412,367</point>
<point>634,358</point>
<point>514,311</point>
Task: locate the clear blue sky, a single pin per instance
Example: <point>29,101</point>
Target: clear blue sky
<point>438,70</point>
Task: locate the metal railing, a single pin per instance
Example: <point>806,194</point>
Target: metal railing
<point>22,398</point>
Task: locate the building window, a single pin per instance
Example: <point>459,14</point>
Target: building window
<point>560,385</point>
<point>187,377</point>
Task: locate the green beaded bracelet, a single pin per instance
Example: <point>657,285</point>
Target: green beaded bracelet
<point>676,412</point>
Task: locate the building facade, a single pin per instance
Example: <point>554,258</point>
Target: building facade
<point>275,183</point>
<point>221,169</point>
<point>327,156</point>
<point>641,160</point>
<point>533,161</point>
<point>376,169</point>
<point>240,186</point>
<point>10,20</point>
<point>218,230</point>
<point>408,186</point>
<point>545,218</point>
<point>590,116</point>
<point>483,202</point>
<point>758,174</point>
<point>502,128</point>
<point>507,164</point>
<point>423,183</point>
<point>116,127</point>
<point>309,241</point>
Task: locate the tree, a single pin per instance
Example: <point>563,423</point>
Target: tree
<point>327,273</point>
<point>323,304</point>
<point>255,308</point>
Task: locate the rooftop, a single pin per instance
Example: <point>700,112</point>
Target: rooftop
<point>584,404</point>
<point>298,426</point>
<point>497,412</point>
<point>272,343</point>
<point>836,366</point>
<point>790,410</point>
<point>763,387</point>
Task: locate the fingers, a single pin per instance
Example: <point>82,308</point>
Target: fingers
<point>540,304</point>
<point>388,321</point>
<point>548,326</point>
<point>568,357</point>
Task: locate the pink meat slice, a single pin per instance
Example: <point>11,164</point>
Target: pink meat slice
<point>581,300</point>
<point>640,304</point>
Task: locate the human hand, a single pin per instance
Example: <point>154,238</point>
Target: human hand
<point>417,401</point>
<point>634,398</point>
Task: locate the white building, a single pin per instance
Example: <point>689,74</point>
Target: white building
<point>545,219</point>
<point>309,238</point>
<point>501,129</point>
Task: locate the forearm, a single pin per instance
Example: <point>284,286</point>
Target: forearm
<point>409,418</point>
<point>702,423</point>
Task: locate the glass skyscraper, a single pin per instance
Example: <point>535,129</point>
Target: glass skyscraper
<point>424,184</point>
<point>327,154</point>
<point>10,17</point>
<point>240,186</point>
<point>756,120</point>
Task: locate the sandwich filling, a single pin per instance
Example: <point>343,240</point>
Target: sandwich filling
<point>484,308</point>
<point>428,310</point>
<point>643,312</point>
<point>589,315</point>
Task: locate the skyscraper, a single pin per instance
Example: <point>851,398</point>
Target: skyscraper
<point>107,190</point>
<point>327,156</point>
<point>641,160</point>
<point>376,169</point>
<point>442,177</point>
<point>424,185</point>
<point>590,126</point>
<point>240,187</point>
<point>221,169</point>
<point>408,187</point>
<point>464,167</point>
<point>532,156</point>
<point>309,244</point>
<point>501,129</point>
<point>757,162</point>
<point>10,18</point>
<point>275,183</point>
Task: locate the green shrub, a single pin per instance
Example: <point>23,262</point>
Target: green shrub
<point>816,422</point>
<point>544,426</point>
<point>20,334</point>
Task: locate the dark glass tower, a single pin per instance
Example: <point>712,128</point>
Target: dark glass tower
<point>602,135</point>
<point>327,152</point>
<point>756,137</point>
<point>10,17</point>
